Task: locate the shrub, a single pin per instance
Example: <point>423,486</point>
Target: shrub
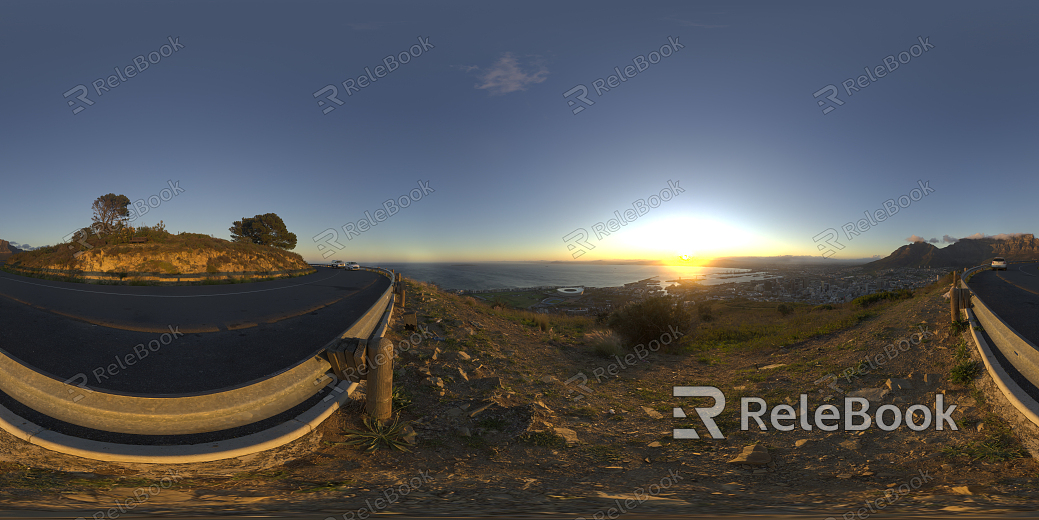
<point>784,309</point>
<point>965,372</point>
<point>649,319</point>
<point>823,307</point>
<point>705,311</point>
<point>605,343</point>
<point>870,299</point>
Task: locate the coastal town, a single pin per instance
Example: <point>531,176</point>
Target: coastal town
<point>814,285</point>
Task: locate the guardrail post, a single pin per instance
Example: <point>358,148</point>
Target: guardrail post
<point>954,297</point>
<point>379,405</point>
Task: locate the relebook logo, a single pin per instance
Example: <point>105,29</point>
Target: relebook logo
<point>785,418</point>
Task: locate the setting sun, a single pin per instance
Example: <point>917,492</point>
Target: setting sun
<point>688,240</point>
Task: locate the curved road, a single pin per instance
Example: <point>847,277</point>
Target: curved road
<point>178,340</point>
<point>1013,295</point>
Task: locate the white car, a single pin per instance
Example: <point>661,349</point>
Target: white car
<point>337,264</point>
<point>353,266</point>
<point>999,263</point>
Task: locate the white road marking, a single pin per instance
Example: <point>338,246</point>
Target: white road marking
<point>165,295</point>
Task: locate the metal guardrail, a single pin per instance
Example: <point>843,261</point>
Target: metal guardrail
<point>188,414</point>
<point>1022,354</point>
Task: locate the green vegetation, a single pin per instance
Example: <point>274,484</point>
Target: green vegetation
<point>784,309</point>
<point>266,230</point>
<point>605,344</point>
<point>650,319</point>
<point>752,325</point>
<point>870,299</point>
<point>547,439</point>
<point>389,435</point>
<point>997,446</point>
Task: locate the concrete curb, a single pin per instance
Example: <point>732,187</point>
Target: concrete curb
<point>99,410</point>
<point>1014,393</point>
<point>280,435</point>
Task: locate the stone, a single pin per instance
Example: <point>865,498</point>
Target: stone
<point>754,455</point>
<point>410,320</point>
<point>568,435</point>
<point>409,435</point>
<point>899,385</point>
<point>760,471</point>
<point>654,444</point>
<point>653,414</point>
<point>538,405</point>
<point>435,382</point>
<point>844,475</point>
<point>801,442</point>
<point>873,395</point>
<point>464,432</point>
<point>458,355</point>
<point>463,375</point>
<point>973,490</point>
<point>770,367</point>
<point>549,379</point>
<point>850,444</point>
<point>454,413</point>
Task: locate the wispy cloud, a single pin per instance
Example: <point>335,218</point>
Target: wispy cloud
<point>507,75</point>
<point>949,240</point>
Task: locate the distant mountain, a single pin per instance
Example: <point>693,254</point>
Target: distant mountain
<point>965,253</point>
<point>7,248</point>
<point>751,262</point>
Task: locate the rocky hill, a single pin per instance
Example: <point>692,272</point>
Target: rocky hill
<point>164,253</point>
<point>965,253</point>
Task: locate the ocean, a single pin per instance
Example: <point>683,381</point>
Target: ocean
<point>506,275</point>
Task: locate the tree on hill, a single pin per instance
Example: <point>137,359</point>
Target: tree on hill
<point>267,230</point>
<point>110,212</point>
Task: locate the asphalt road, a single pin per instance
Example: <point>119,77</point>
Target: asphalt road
<point>182,340</point>
<point>1013,295</point>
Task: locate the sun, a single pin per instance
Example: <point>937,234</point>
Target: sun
<point>687,240</point>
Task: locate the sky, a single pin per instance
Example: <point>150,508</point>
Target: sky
<point>484,129</point>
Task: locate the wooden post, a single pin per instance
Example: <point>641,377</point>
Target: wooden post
<point>379,403</point>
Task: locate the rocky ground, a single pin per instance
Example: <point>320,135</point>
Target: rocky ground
<point>496,428</point>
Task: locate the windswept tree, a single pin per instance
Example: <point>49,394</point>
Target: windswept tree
<point>110,212</point>
<point>267,230</point>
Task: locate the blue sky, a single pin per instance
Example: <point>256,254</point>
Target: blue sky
<point>230,116</point>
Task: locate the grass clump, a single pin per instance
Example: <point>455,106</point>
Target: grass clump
<point>389,435</point>
<point>870,299</point>
<point>606,344</point>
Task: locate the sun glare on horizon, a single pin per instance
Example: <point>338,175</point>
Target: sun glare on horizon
<point>688,240</point>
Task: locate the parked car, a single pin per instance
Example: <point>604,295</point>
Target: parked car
<point>353,266</point>
<point>999,263</point>
<point>337,264</point>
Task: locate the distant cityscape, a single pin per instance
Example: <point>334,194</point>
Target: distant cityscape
<point>815,285</point>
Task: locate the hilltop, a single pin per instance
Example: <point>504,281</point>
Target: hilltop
<point>501,422</point>
<point>162,252</point>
